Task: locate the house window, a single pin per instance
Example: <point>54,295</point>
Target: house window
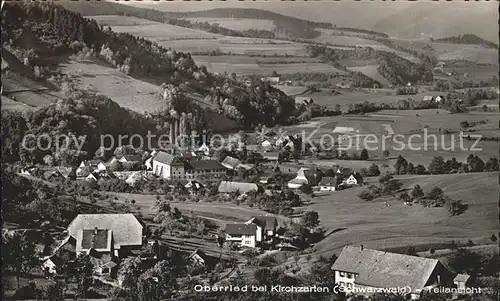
<point>105,270</point>
<point>350,285</point>
<point>341,283</point>
<point>342,274</point>
<point>349,275</point>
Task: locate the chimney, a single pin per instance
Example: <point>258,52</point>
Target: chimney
<point>361,247</point>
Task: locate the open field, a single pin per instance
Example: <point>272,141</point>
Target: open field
<point>155,31</point>
<point>474,53</point>
<point>218,213</point>
<point>423,146</point>
<point>237,24</point>
<point>377,226</point>
<point>125,90</point>
<point>10,104</point>
<point>244,65</point>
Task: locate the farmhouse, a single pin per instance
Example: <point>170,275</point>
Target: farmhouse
<point>92,165</point>
<point>30,170</point>
<point>204,168</point>
<point>270,156</point>
<point>267,223</point>
<point>329,184</point>
<point>305,176</point>
<point>197,257</point>
<point>205,149</point>
<point>193,186</point>
<point>428,98</point>
<point>354,179</point>
<point>114,234</point>
<point>230,162</point>
<point>303,100</point>
<point>244,234</point>
<point>135,177</point>
<point>238,187</point>
<point>439,98</point>
<point>128,159</point>
<point>167,166</point>
<point>372,269</point>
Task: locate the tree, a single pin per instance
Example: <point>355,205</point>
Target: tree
<point>401,165</point>
<point>373,170</point>
<point>116,166</point>
<point>493,238</point>
<point>366,195</point>
<point>435,193</point>
<point>310,219</point>
<point>466,261</point>
<point>455,207</point>
<point>157,283</point>
<point>491,165</point>
<point>464,124</point>
<point>420,170</point>
<point>19,253</point>
<point>417,192</point>
<point>81,270</point>
<point>475,163</point>
<point>385,154</point>
<point>130,270</point>
<point>363,155</point>
<point>405,197</point>
<point>411,250</point>
<point>52,292</point>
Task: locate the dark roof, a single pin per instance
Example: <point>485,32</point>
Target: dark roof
<point>133,158</point>
<point>241,229</point>
<point>269,221</point>
<point>97,239</point>
<point>329,181</point>
<point>385,269</point>
<point>205,164</point>
<point>167,158</point>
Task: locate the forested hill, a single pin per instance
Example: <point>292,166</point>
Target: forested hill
<point>37,31</point>
<point>250,13</point>
<point>470,39</point>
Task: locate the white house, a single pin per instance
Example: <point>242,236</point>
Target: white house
<point>168,166</point>
<point>373,270</point>
<point>354,179</point>
<point>204,149</point>
<point>266,145</point>
<point>304,177</point>
<point>244,234</point>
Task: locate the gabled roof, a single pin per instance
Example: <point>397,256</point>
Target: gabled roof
<point>241,187</point>
<point>461,278</point>
<point>132,158</point>
<point>269,222</point>
<point>428,97</point>
<point>127,230</point>
<point>329,181</point>
<point>230,162</point>
<point>98,239</point>
<point>241,229</point>
<point>167,158</point>
<point>385,269</point>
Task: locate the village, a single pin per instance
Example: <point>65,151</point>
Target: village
<point>271,169</point>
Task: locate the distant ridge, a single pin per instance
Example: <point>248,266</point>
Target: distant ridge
<point>249,13</point>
